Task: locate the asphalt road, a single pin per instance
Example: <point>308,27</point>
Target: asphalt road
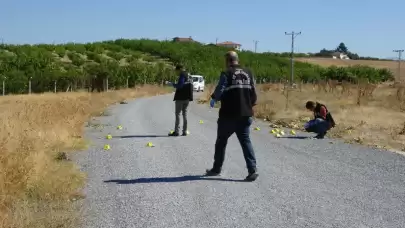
<point>302,182</point>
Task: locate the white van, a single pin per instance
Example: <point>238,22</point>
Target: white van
<point>198,83</point>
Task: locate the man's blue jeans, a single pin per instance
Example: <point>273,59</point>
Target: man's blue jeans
<point>240,126</point>
<point>318,125</point>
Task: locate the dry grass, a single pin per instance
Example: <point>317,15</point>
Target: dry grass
<point>37,181</point>
<point>377,119</point>
<point>326,62</point>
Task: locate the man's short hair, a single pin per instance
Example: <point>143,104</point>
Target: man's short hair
<point>310,105</point>
<point>179,67</point>
<point>232,56</point>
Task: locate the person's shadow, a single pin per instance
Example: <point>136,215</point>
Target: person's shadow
<point>170,179</point>
<point>139,136</point>
<point>296,137</point>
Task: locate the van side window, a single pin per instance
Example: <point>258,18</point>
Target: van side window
<point>201,79</point>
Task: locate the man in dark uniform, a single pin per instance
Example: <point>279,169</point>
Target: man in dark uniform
<point>323,120</point>
<point>236,91</point>
<point>182,98</point>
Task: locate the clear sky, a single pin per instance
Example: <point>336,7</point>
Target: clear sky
<point>368,27</point>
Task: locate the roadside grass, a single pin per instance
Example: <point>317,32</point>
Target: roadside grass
<point>369,115</point>
<point>38,182</point>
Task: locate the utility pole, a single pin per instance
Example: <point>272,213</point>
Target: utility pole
<point>293,35</point>
<point>4,86</point>
<point>255,42</point>
<point>399,62</point>
<point>29,85</point>
<point>216,41</point>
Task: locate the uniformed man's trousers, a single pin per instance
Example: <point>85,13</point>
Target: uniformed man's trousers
<point>240,126</point>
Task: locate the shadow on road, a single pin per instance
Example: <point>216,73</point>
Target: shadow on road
<point>296,137</point>
<point>171,179</point>
<point>139,136</point>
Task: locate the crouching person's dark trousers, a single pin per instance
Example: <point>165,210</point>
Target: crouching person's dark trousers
<point>318,126</point>
<point>240,126</point>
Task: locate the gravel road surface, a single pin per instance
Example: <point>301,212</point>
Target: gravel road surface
<point>302,182</point>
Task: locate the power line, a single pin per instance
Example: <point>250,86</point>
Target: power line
<point>293,35</point>
<point>255,42</point>
<point>399,61</point>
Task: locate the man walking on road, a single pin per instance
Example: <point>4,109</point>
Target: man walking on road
<point>236,91</point>
<point>182,98</point>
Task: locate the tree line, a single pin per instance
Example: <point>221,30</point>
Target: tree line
<point>208,61</point>
<point>125,62</point>
<point>342,48</point>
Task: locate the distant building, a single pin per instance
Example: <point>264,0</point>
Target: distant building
<point>229,44</point>
<point>180,39</point>
<point>338,55</point>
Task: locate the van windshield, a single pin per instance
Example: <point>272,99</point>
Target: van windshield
<point>195,79</point>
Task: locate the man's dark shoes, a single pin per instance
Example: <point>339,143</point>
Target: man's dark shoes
<point>184,134</point>
<point>252,176</point>
<point>211,172</point>
<point>174,134</point>
<point>320,136</point>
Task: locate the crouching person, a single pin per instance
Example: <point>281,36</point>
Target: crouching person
<point>322,122</point>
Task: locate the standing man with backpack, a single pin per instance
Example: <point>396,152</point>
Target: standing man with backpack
<point>236,91</point>
<point>322,122</point>
<point>182,98</point>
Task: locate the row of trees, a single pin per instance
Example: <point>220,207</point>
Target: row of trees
<point>342,48</point>
<point>125,63</point>
<point>60,67</point>
<point>208,60</point>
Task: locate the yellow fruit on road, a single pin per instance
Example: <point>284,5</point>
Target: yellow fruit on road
<point>107,147</point>
<point>108,137</point>
<point>119,127</point>
<point>292,132</point>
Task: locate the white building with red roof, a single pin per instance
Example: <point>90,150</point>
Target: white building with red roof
<point>229,44</point>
